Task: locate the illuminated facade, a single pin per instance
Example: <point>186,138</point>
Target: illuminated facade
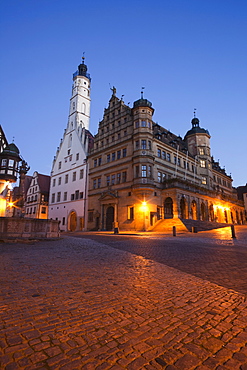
<point>67,202</point>
<point>37,196</point>
<point>141,173</point>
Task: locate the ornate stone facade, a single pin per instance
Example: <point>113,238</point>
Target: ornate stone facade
<point>140,173</point>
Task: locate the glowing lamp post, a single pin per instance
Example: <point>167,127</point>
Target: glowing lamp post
<point>144,209</point>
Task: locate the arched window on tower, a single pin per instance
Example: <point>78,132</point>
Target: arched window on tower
<point>83,108</point>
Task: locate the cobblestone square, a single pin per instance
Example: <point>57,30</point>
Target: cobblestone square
<point>100,301</point>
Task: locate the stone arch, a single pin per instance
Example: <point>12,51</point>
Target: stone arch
<point>183,208</point>
<point>109,217</point>
<point>211,212</point>
<point>72,221</point>
<point>203,212</point>
<point>168,208</point>
<point>193,209</point>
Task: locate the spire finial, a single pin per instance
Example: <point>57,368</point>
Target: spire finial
<point>13,139</point>
<point>83,57</point>
<point>194,112</point>
<point>142,92</point>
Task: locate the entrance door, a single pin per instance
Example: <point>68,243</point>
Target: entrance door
<point>183,208</point>
<point>109,218</point>
<point>168,207</point>
<point>72,221</point>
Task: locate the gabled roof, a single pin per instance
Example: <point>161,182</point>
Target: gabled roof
<point>44,183</point>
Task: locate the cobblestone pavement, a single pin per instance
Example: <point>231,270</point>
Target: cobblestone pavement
<point>78,303</point>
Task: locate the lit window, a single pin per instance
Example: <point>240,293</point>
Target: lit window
<point>202,163</point>
<point>204,180</point>
<point>201,151</point>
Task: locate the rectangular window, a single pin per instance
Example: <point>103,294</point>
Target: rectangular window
<point>168,157</point>
<point>137,144</point>
<point>81,195</point>
<point>188,166</point>
<point>99,182</point>
<point>66,178</point>
<point>179,162</point>
<point>159,153</point>
<point>107,180</point>
<point>159,177</point>
<point>108,158</point>
<point>74,176</point>
<point>72,197</point>
<point>124,176</point>
<point>137,171</point>
<point>113,156</point>
<point>59,165</point>
<point>130,213</point>
<point>43,210</point>
<point>124,152</point>
<point>58,196</point>
<point>99,161</point>
<point>149,171</point>
<point>77,156</point>
<point>204,180</point>
<point>137,124</point>
<point>163,155</point>
<point>95,163</point>
<point>202,163</point>
<point>65,196</point>
<point>54,182</point>
<point>118,178</point>
<point>118,154</point>
<point>59,180</point>
<point>113,179</point>
<point>175,159</point>
<point>90,216</point>
<point>77,194</point>
<point>53,198</point>
<point>201,151</point>
<point>81,174</point>
<point>94,183</point>
<point>163,176</point>
<point>143,123</point>
<point>63,222</point>
<point>144,170</point>
<point>144,144</point>
<point>149,145</point>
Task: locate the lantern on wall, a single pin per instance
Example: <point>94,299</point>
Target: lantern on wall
<point>9,163</point>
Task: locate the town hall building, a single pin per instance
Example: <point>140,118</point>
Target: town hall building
<point>141,174</point>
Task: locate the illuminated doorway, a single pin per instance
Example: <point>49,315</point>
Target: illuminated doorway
<point>194,210</point>
<point>183,208</point>
<point>203,212</point>
<point>72,221</point>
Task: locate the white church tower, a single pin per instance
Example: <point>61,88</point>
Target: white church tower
<point>68,189</point>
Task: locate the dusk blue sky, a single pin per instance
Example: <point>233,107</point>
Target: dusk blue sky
<point>187,54</point>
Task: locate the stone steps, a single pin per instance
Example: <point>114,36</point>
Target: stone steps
<point>184,225</point>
